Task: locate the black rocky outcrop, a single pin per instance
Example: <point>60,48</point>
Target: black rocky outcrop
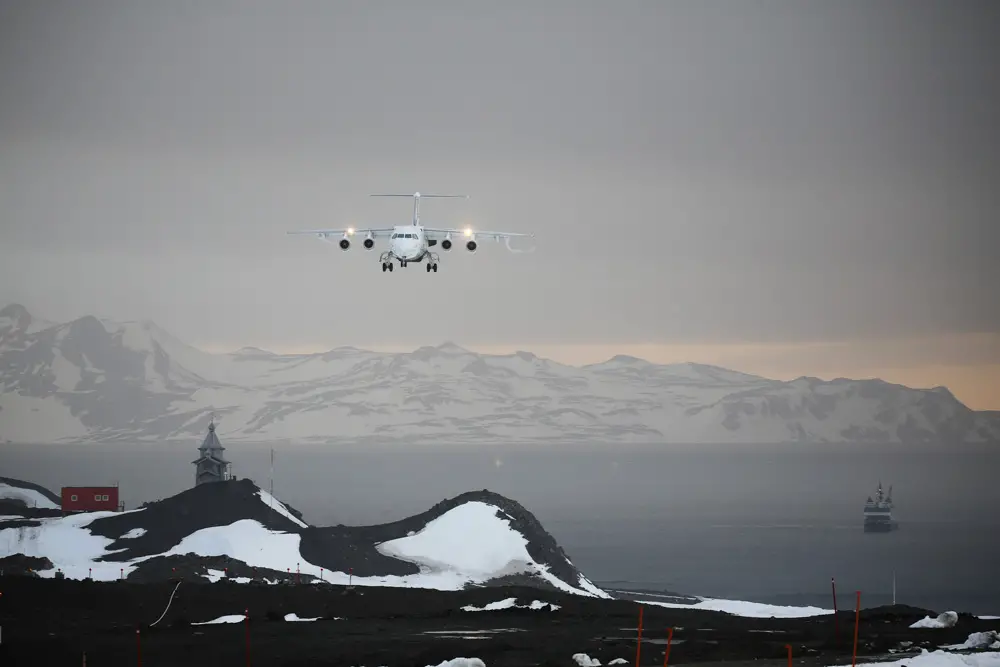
<point>354,547</point>
<point>21,565</point>
<point>192,567</point>
<point>169,521</point>
<point>165,524</point>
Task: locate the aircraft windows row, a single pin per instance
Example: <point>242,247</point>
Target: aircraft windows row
<point>404,236</point>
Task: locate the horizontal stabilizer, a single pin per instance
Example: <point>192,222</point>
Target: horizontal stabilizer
<point>417,195</point>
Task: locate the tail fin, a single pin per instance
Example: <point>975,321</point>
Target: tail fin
<point>416,201</point>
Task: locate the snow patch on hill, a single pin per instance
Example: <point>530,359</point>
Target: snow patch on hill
<point>467,544</point>
<point>743,608</point>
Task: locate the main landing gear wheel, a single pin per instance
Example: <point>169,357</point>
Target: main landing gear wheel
<point>432,267</point>
<point>386,267</point>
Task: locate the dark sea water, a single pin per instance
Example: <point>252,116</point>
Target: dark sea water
<point>762,523</point>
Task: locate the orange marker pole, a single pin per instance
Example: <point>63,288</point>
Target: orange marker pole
<point>836,620</point>
<point>138,647</point>
<point>638,646</point>
<point>789,647</point>
<point>857,621</point>
<point>670,637</point>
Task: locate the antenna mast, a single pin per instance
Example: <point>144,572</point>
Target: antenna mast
<point>270,478</point>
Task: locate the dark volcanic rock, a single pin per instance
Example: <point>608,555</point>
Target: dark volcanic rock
<point>49,622</point>
<point>169,521</point>
<point>354,547</point>
<point>166,523</point>
<point>21,565</point>
<point>191,567</point>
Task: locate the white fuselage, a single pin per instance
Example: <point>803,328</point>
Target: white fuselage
<point>408,243</point>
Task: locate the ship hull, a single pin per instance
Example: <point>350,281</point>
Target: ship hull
<point>878,513</point>
<point>881,527</point>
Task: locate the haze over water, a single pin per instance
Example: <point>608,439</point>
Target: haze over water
<point>763,523</point>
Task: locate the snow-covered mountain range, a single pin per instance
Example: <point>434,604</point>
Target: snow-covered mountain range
<point>237,529</point>
<point>97,380</point>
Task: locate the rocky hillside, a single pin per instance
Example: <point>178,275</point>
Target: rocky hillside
<point>238,530</point>
<point>94,380</point>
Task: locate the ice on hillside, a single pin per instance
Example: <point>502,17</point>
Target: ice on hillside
<point>585,660</point>
<point>214,576</point>
<point>511,603</point>
<point>448,558</point>
<point>232,618</point>
<point>978,640</point>
<point>279,507</point>
<point>471,540</point>
<point>29,497</point>
<point>743,608</point>
<point>70,546</point>
<point>134,533</point>
<point>461,662</point>
<point>947,619</point>
<point>295,617</point>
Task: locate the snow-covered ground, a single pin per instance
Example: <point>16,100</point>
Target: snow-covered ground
<point>511,603</point>
<point>467,544</point>
<point>946,619</point>
<point>743,608</point>
<point>471,542</point>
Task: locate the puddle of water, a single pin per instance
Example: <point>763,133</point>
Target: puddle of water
<point>469,634</point>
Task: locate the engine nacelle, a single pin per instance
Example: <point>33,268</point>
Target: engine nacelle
<point>345,243</point>
<point>446,244</point>
<point>471,246</point>
<point>369,242</point>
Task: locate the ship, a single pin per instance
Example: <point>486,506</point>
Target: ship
<point>878,512</point>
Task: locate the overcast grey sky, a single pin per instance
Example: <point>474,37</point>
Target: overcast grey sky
<point>697,173</point>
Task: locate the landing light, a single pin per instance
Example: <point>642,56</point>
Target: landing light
<point>350,230</point>
<point>468,232</point>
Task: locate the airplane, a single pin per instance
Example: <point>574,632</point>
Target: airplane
<point>412,242</point>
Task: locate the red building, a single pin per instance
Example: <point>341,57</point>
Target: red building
<point>89,498</point>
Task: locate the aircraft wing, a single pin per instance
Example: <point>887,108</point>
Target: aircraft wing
<point>438,234</point>
<point>383,232</point>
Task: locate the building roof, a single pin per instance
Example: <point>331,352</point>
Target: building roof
<point>211,447</point>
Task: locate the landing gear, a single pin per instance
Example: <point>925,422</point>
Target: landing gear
<point>387,261</point>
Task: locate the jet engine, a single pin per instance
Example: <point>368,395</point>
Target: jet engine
<point>471,246</point>
<point>446,243</point>
<point>369,241</point>
<point>345,243</point>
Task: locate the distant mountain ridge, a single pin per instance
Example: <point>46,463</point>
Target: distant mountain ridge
<point>94,380</point>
